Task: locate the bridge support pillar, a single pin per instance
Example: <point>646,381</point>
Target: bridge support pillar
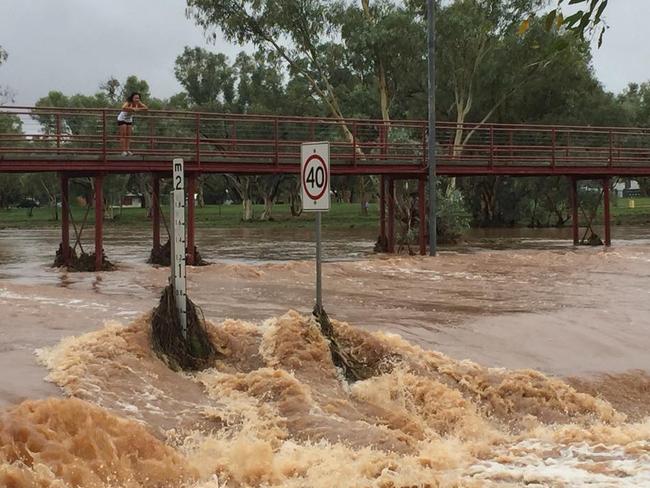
<point>391,215</point>
<point>191,248</point>
<point>422,216</point>
<point>606,215</point>
<point>65,219</point>
<point>99,222</point>
<point>574,210</point>
<point>155,210</point>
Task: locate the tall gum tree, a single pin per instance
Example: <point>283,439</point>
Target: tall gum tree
<point>250,84</point>
<point>318,39</point>
<point>296,30</point>
<point>473,34</point>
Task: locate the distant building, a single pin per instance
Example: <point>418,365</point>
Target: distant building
<point>132,200</point>
<point>627,189</point>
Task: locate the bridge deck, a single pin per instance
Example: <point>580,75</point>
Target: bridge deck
<point>85,141</point>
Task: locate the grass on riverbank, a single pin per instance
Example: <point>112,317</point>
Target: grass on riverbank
<point>342,215</point>
<point>622,214</point>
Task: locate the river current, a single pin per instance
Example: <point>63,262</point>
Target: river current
<point>505,361</point>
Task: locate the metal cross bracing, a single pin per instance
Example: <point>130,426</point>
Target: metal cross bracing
<point>85,141</point>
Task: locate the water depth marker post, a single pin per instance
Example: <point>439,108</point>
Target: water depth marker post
<point>315,184</point>
<point>178,255</point>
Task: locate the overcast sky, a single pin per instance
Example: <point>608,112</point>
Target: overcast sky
<point>74,45</point>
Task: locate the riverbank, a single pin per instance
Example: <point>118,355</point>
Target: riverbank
<point>341,216</point>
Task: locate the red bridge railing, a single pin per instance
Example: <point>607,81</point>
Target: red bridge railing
<point>209,139</point>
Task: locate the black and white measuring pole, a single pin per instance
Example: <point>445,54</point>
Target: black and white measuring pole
<point>315,183</point>
<point>177,212</point>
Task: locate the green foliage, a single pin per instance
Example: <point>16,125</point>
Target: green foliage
<point>588,19</point>
<point>10,124</point>
<point>207,78</point>
<point>10,191</point>
<point>133,84</point>
<point>452,218</point>
<point>260,84</point>
<point>111,88</point>
<point>293,29</point>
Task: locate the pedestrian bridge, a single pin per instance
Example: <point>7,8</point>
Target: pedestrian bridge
<point>85,142</point>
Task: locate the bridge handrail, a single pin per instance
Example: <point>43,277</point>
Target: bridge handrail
<point>236,140</point>
<point>28,110</point>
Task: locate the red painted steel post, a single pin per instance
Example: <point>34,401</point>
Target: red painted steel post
<point>191,189</point>
<point>99,222</point>
<point>155,211</point>
<point>608,223</point>
<point>382,208</point>
<point>574,210</point>
<point>65,218</point>
<point>391,215</point>
<point>422,216</point>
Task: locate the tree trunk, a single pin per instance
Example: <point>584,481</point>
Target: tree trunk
<point>145,189</point>
<point>295,201</point>
<point>243,186</point>
<point>247,209</point>
<point>489,201</point>
<point>269,187</point>
<point>533,217</point>
<point>108,210</point>
<point>53,202</point>
<point>363,195</point>
<point>200,200</point>
<point>267,213</point>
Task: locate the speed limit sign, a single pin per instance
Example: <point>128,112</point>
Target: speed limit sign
<point>315,176</point>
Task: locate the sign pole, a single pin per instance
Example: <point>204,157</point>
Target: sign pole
<point>178,275</point>
<point>315,184</point>
<point>319,288</point>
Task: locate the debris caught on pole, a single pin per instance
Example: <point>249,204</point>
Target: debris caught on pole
<point>178,333</point>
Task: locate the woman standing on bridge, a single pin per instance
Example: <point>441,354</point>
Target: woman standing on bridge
<point>125,121</point>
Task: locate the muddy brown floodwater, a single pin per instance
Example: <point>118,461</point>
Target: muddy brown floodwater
<point>458,405</point>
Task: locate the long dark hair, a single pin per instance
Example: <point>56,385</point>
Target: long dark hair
<point>130,99</point>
